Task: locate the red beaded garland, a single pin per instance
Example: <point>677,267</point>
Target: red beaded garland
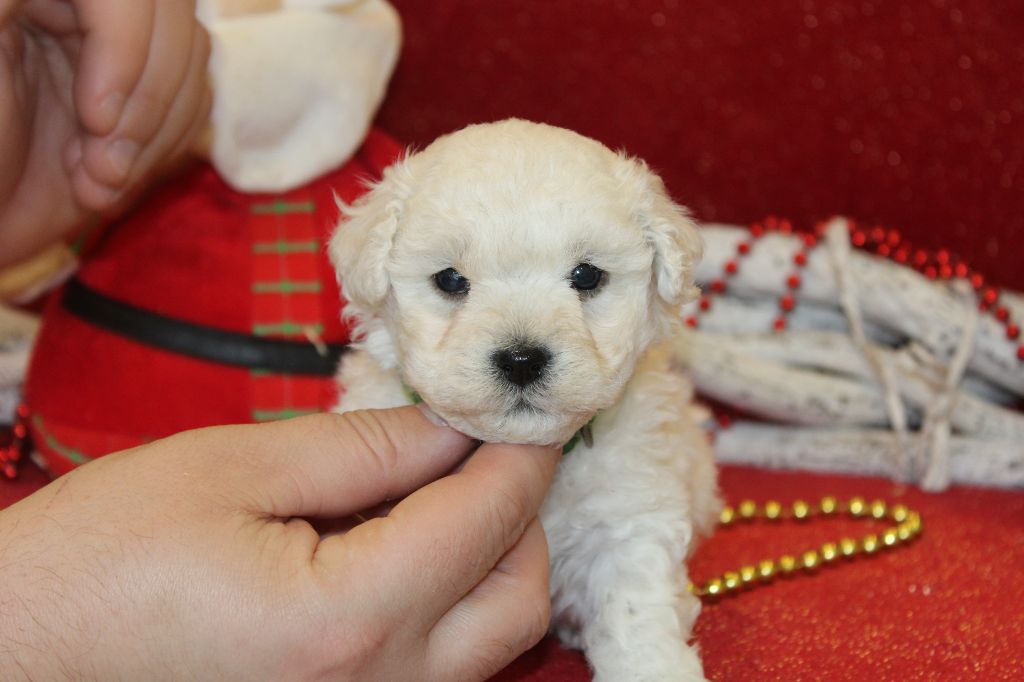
<point>888,243</point>
<point>10,454</point>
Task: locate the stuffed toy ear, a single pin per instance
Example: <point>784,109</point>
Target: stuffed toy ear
<point>668,229</point>
<point>362,242</point>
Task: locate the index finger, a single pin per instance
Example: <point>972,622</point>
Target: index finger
<point>442,540</point>
<point>115,49</point>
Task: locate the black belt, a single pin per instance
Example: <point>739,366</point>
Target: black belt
<point>197,341</point>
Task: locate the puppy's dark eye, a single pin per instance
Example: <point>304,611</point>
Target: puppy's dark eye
<point>586,277</point>
<point>451,282</point>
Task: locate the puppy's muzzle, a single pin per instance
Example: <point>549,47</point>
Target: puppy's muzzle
<point>521,365</point>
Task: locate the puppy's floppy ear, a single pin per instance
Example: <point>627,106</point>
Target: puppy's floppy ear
<point>362,242</point>
<point>667,228</point>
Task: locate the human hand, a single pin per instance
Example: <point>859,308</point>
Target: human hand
<point>190,557</point>
<point>96,96</point>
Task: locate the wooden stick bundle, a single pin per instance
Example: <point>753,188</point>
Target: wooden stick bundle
<point>833,402</point>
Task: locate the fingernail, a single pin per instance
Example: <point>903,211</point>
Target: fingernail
<point>121,154</point>
<point>431,415</point>
<point>110,109</point>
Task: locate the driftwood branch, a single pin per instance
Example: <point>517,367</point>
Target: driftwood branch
<point>876,452</point>
<point>17,334</point>
<point>786,368</point>
<point>890,296</point>
<point>928,388</point>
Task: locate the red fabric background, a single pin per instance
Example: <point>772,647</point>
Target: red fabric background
<point>909,114</point>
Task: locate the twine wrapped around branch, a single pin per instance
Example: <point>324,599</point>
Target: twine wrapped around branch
<point>872,349</point>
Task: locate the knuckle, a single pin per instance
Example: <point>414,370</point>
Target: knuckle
<point>508,513</point>
<point>358,654</point>
<point>490,656</point>
<point>369,434</point>
<point>494,653</point>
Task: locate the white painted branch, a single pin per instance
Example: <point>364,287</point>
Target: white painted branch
<point>871,452</point>
<point>918,379</point>
<point>16,325</point>
<point>770,389</point>
<point>732,314</point>
<point>17,334</point>
<point>889,295</point>
<point>978,386</point>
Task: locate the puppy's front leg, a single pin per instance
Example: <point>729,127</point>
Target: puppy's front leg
<point>619,591</point>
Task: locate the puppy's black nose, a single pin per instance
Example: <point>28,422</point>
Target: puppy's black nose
<point>522,365</point>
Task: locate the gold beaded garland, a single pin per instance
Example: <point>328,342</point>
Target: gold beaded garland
<point>908,526</point>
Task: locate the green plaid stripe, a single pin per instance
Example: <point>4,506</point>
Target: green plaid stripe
<point>283,207</point>
<point>286,287</point>
<point>58,447</point>
<point>286,247</point>
<point>286,328</point>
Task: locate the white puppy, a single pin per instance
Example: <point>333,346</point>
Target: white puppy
<point>525,281</point>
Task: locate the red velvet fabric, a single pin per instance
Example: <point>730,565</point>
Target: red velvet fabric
<point>908,114</point>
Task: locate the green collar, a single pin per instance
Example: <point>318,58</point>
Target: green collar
<point>585,433</point>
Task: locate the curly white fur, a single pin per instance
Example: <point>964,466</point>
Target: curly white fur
<point>514,207</point>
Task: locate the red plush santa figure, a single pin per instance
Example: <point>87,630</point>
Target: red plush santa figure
<point>213,302</point>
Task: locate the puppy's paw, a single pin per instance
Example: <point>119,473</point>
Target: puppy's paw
<point>682,664</point>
